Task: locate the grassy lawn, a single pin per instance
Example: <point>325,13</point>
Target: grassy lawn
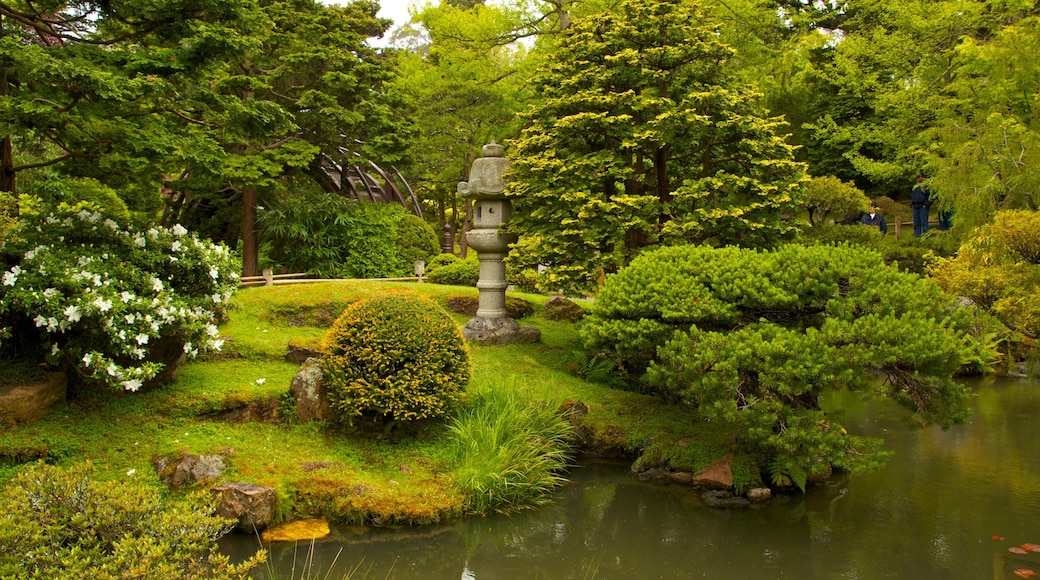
<point>355,475</point>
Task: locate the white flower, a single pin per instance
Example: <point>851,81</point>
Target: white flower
<point>132,471</point>
<point>132,384</point>
<point>211,329</point>
<point>112,370</point>
<point>153,233</point>
<point>142,338</point>
<point>50,292</point>
<point>54,349</point>
<point>217,298</point>
<point>140,241</point>
<point>178,230</point>
<point>157,285</point>
<point>97,279</point>
<point>138,353</point>
<point>261,380</point>
<point>129,318</point>
<point>126,296</point>
<point>88,359</point>
<point>216,344</point>
<point>52,323</point>
<point>12,276</point>
<point>83,215</point>
<point>72,313</point>
<point>40,320</point>
<point>112,225</point>
<point>175,246</point>
<point>102,304</point>
<point>187,347</point>
<point>214,273</point>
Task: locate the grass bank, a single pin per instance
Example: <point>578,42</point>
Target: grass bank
<point>355,475</point>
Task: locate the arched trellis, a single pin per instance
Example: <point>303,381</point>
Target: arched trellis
<point>367,182</point>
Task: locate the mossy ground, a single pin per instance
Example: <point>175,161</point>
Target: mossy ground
<point>358,475</point>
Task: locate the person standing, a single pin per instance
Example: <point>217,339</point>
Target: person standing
<point>874,218</point>
<point>920,201</point>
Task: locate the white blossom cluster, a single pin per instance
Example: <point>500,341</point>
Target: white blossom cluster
<point>105,296</point>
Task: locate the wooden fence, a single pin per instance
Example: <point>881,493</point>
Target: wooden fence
<point>900,223</point>
<point>269,278</point>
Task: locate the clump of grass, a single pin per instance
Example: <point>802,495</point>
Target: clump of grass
<point>509,451</point>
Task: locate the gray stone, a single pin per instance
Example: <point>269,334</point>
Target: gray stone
<point>724,500</point>
<point>190,469</point>
<point>312,399</point>
<point>490,331</point>
<point>560,308</point>
<point>252,505</point>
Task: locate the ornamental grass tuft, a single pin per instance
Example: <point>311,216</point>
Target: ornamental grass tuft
<point>509,452</point>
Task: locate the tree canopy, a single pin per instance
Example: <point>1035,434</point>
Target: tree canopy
<point>639,137</point>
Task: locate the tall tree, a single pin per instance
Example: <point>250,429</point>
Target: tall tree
<point>641,138</point>
<point>85,86</point>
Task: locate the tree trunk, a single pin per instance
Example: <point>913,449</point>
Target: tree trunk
<point>7,173</point>
<point>250,260</point>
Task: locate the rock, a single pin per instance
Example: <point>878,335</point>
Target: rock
<point>252,505</point>
<point>560,308</point>
<point>29,402</point>
<point>759,494</point>
<point>312,399</point>
<point>300,354</point>
<point>305,530</point>
<point>718,475</point>
<point>190,469</point>
<point>683,477</point>
<point>724,500</point>
<point>493,331</point>
<point>256,411</point>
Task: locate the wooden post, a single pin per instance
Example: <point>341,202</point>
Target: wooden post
<point>899,227</point>
<point>268,277</point>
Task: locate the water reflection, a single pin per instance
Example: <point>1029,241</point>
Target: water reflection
<point>931,512</point>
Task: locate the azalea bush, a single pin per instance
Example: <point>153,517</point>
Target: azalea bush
<point>61,523</point>
<point>79,289</point>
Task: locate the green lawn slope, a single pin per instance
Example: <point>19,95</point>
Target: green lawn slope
<point>352,475</point>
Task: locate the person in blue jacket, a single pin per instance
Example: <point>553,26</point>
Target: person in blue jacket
<point>920,201</point>
<point>874,218</point>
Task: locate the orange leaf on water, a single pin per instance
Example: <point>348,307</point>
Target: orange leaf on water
<point>998,538</point>
<point>1031,547</point>
<point>1017,550</point>
<point>1024,573</point>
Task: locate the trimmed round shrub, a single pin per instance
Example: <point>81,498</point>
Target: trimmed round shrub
<point>439,260</point>
<point>397,356</point>
<point>458,273</point>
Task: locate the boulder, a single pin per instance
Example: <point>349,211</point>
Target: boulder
<point>718,475</point>
<point>560,308</point>
<point>190,469</point>
<point>29,402</point>
<point>299,354</point>
<point>252,505</point>
<point>759,494</point>
<point>722,499</point>
<point>312,399</point>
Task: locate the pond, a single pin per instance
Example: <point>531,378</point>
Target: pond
<point>949,504</point>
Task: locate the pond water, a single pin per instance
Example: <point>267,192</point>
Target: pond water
<point>949,504</point>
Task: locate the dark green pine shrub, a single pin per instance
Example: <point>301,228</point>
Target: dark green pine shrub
<point>397,356</point>
<point>458,272</point>
<point>755,337</point>
<point>63,524</point>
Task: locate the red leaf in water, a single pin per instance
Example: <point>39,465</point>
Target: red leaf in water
<point>1024,573</point>
<point>1031,547</point>
<point>998,538</point>
<point>1017,550</point>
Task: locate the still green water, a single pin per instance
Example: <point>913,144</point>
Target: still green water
<point>949,504</point>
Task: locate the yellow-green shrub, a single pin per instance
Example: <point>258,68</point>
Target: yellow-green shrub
<point>394,356</point>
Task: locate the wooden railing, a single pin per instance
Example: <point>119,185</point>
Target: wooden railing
<point>269,278</point>
<point>899,226</point>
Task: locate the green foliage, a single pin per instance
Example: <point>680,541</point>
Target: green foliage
<point>458,272</point>
<point>507,451</point>
<point>831,198</point>
<point>416,240</point>
<point>755,337</point>
<point>64,524</point>
<point>839,234</point>
<point>111,302</point>
<point>396,356</point>
<point>998,268</point>
<point>331,236</point>
<point>640,138</point>
<point>439,260</point>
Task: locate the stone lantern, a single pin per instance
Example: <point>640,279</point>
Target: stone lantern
<point>491,210</point>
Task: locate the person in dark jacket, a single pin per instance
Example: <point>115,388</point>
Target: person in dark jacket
<point>920,201</point>
<point>874,218</point>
